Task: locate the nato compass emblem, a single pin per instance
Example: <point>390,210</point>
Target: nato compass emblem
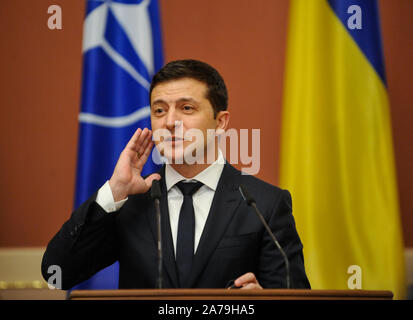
<point>118,63</point>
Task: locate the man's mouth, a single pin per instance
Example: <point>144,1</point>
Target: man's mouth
<point>173,139</point>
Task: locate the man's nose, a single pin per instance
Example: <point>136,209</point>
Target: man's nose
<point>172,119</point>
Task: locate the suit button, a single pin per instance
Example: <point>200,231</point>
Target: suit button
<point>72,233</point>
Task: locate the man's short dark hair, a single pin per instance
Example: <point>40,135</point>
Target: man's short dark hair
<point>198,70</point>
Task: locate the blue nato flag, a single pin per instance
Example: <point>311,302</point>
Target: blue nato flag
<point>122,50</point>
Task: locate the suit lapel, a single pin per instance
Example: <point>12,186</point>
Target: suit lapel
<point>226,200</point>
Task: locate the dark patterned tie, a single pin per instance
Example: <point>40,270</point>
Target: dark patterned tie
<point>186,232</point>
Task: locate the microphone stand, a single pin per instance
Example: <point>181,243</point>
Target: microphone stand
<point>156,196</point>
<point>159,233</point>
<point>251,202</point>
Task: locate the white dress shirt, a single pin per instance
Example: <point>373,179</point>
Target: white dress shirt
<point>202,199</point>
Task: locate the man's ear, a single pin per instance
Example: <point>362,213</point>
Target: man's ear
<point>222,120</point>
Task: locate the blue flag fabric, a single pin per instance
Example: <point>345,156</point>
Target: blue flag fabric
<point>122,50</point>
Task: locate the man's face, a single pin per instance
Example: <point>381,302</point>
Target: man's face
<point>179,106</point>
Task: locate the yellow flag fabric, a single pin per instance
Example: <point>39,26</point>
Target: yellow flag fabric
<point>336,148</point>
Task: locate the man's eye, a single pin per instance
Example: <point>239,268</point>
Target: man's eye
<point>158,110</point>
<point>187,108</point>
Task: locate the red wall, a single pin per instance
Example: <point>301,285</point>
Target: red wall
<point>245,40</point>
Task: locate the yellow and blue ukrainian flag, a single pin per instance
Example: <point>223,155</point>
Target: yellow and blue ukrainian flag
<point>337,151</point>
<point>122,50</point>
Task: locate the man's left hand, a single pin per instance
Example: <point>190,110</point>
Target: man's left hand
<point>247,281</point>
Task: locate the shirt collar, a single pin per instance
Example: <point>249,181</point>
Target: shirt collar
<point>209,176</point>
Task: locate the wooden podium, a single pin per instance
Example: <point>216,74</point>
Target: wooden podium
<point>225,294</point>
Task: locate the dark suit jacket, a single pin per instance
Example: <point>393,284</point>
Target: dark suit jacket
<point>233,241</point>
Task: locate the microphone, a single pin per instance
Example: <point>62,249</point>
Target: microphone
<point>156,197</point>
<point>251,202</point>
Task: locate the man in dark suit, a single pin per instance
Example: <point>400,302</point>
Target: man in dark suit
<point>210,235</point>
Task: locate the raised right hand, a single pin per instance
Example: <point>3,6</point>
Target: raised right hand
<point>126,178</point>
